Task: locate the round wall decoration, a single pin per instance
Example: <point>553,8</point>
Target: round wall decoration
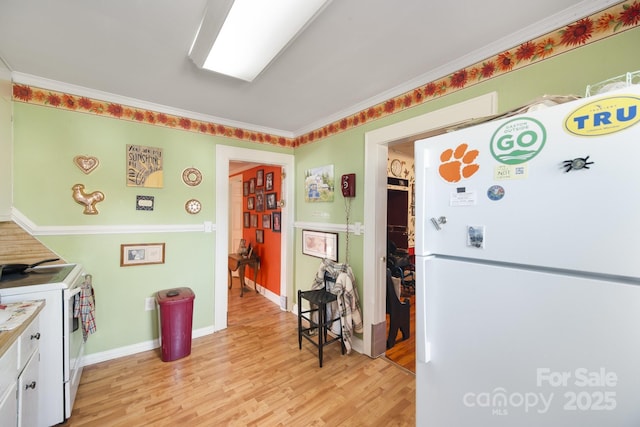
<point>191,176</point>
<point>193,206</point>
<point>396,167</point>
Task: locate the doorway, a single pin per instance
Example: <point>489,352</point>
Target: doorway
<point>224,155</point>
<point>376,154</point>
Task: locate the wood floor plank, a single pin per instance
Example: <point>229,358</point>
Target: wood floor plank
<point>250,374</point>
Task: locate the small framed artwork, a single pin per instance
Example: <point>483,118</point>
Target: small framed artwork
<point>260,178</point>
<point>252,186</point>
<point>245,219</point>
<point>266,221</point>
<point>260,236</point>
<point>268,183</point>
<point>276,218</point>
<point>320,244</point>
<point>141,253</point>
<point>245,188</point>
<point>254,220</point>
<point>251,203</point>
<point>259,199</point>
<point>271,201</point>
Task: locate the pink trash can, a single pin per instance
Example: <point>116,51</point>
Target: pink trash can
<point>175,317</point>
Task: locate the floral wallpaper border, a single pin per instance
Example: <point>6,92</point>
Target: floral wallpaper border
<point>615,19</point>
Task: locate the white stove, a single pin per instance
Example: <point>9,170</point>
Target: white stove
<point>61,342</point>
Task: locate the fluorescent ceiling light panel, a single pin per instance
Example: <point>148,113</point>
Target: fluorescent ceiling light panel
<point>252,35</point>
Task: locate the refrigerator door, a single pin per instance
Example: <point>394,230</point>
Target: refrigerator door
<point>523,207</point>
<point>526,348</point>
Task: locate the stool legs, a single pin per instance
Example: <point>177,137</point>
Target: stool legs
<point>321,326</point>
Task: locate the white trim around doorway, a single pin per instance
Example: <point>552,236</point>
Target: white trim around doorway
<point>225,154</point>
<point>375,191</point>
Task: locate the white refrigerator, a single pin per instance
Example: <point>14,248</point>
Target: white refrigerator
<point>528,269</point>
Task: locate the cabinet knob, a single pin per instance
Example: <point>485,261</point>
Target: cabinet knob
<point>35,336</point>
<point>31,385</point>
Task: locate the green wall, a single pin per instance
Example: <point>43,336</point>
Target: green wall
<point>46,140</point>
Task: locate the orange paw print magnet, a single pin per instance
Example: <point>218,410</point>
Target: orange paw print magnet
<point>458,163</point>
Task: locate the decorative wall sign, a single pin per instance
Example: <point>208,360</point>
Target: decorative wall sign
<point>89,200</point>
<point>86,163</point>
<point>144,203</point>
<point>191,177</point>
<point>141,253</point>
<point>144,166</point>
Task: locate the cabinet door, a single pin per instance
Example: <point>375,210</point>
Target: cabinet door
<point>9,407</point>
<point>28,393</point>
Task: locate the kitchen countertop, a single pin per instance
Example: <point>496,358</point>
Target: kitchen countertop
<point>7,338</point>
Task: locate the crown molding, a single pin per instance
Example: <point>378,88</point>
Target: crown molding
<point>554,22</point>
<point>44,83</point>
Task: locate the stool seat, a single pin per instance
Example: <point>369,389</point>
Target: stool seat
<point>318,319</point>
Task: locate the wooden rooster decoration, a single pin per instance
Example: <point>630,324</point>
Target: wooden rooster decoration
<point>89,200</point>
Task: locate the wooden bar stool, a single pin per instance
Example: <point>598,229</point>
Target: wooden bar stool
<point>318,318</point>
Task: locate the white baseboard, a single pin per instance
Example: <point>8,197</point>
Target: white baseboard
<point>90,359</point>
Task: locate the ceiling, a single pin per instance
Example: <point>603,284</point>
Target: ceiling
<point>356,53</point>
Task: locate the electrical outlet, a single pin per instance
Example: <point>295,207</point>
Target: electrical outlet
<point>149,303</point>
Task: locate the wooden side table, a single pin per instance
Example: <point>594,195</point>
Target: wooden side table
<point>238,262</point>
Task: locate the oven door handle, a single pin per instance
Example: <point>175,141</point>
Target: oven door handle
<point>74,294</point>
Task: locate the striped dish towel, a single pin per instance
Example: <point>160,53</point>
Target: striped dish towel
<point>84,308</point>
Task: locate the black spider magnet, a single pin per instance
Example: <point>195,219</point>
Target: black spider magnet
<point>577,163</point>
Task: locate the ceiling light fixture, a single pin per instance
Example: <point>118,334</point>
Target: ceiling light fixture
<point>241,38</point>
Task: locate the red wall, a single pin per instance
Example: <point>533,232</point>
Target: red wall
<point>269,251</point>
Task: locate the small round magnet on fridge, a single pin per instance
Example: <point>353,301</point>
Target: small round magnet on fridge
<point>495,192</point>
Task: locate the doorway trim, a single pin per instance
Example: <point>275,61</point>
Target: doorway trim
<point>225,154</point>
<point>375,172</point>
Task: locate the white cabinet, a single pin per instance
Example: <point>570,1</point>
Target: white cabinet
<point>28,393</point>
<point>19,377</point>
<point>8,373</point>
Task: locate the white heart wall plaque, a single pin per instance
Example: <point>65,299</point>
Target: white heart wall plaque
<point>86,163</point>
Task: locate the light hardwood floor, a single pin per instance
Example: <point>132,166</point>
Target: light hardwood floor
<point>251,374</point>
<point>404,351</point>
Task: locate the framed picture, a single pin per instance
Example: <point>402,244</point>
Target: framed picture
<point>251,203</point>
<point>259,199</point>
<point>266,221</point>
<point>245,188</point>
<point>276,218</point>
<point>260,178</point>
<point>320,244</point>
<point>260,236</point>
<point>268,184</point>
<point>254,220</point>
<point>271,201</point>
<point>252,186</point>
<point>319,184</point>
<point>245,220</point>
<point>141,253</point>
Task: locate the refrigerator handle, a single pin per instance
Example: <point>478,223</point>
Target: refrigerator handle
<point>437,222</point>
